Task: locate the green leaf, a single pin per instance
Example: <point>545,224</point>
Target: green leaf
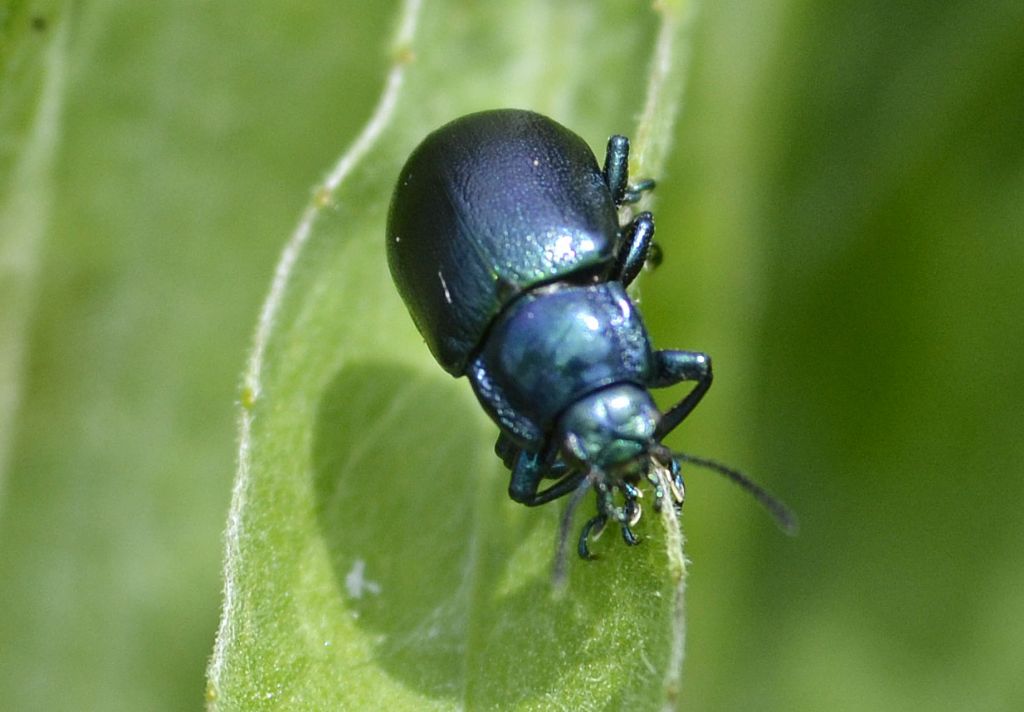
<point>157,204</point>
<point>32,70</point>
<point>373,558</point>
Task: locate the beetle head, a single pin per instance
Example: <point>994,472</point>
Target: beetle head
<point>610,429</point>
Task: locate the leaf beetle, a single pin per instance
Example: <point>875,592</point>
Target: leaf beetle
<point>503,239</point>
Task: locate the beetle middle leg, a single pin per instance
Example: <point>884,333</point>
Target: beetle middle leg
<point>636,247</point>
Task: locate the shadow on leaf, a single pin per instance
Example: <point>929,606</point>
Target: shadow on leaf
<point>392,500</point>
<point>449,579</point>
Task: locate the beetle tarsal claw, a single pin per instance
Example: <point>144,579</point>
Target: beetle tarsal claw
<point>637,513</point>
<point>678,494</point>
<point>657,482</point>
<point>664,479</point>
<point>677,488</point>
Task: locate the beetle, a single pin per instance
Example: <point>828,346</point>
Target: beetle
<point>503,239</point>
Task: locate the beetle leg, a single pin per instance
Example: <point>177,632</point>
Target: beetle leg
<point>667,480</point>
<point>526,476</point>
<point>582,549</point>
<point>507,450</point>
<point>616,167</point>
<point>673,367</point>
<point>655,477</point>
<point>530,469</point>
<point>509,453</point>
<point>616,173</point>
<point>634,251</point>
<point>635,191</point>
<point>605,509</point>
<point>677,486</point>
<point>630,513</point>
<point>633,512</point>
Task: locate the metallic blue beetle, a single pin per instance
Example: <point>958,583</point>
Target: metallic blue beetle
<point>504,241</point>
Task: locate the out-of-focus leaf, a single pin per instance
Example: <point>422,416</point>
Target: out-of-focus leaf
<point>183,143</point>
<point>33,65</point>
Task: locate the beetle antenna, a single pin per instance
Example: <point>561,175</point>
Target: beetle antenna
<point>560,569</point>
<point>783,515</point>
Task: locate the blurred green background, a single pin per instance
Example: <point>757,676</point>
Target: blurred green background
<point>843,223</point>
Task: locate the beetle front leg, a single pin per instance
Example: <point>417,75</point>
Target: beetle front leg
<point>630,513</point>
<point>507,450</point>
<point>673,367</point>
<point>583,545</point>
<point>530,469</point>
